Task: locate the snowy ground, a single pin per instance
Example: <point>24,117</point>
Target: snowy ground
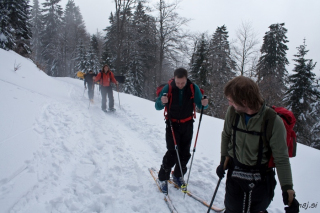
<point>56,155</point>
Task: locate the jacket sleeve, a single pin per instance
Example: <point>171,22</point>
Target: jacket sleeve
<point>98,77</point>
<point>113,78</point>
<point>158,104</point>
<point>198,97</point>
<point>278,145</point>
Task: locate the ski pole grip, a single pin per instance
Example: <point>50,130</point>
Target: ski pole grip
<point>204,97</point>
<point>165,94</point>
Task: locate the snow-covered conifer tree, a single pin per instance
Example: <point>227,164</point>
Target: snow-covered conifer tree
<point>271,70</point>
<point>73,30</point>
<point>6,31</point>
<point>303,95</point>
<point>36,23</point>
<point>15,28</point>
<point>51,37</point>
<point>199,62</point>
<point>222,69</point>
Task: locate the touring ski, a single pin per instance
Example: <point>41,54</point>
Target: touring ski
<point>190,194</point>
<point>167,199</point>
<point>197,198</point>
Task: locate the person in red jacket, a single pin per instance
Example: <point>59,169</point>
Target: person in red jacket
<point>105,77</point>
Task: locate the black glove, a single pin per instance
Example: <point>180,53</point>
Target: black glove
<point>285,197</point>
<point>294,208</point>
<point>220,171</point>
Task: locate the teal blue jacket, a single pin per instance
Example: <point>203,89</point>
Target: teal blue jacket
<point>197,97</point>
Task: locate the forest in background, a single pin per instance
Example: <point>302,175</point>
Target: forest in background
<point>147,48</point>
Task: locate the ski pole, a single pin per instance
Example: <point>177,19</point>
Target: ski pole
<point>215,191</point>
<point>195,144</point>
<point>83,92</point>
<point>118,96</point>
<point>214,195</point>
<point>175,145</point>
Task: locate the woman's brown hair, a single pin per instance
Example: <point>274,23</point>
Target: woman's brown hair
<point>244,90</point>
<point>106,65</point>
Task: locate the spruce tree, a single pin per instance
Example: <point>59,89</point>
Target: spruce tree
<point>70,38</point>
<point>199,62</point>
<point>51,37</point>
<point>315,113</point>
<point>142,57</point>
<point>36,23</point>
<point>81,60</point>
<point>271,70</point>
<point>302,96</point>
<point>6,34</point>
<point>109,54</point>
<point>92,55</point>
<point>15,28</point>
<point>222,69</point>
<point>19,16</point>
<point>106,57</point>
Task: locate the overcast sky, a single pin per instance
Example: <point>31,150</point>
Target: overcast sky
<point>301,18</point>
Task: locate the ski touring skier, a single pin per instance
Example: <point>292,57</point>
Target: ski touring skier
<point>88,80</point>
<point>250,182</point>
<point>179,98</point>
<point>105,77</point>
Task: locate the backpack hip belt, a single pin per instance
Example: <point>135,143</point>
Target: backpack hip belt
<point>181,120</point>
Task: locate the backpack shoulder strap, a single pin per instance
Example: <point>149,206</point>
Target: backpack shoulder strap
<point>233,115</point>
<point>192,97</point>
<point>101,78</point>
<point>169,95</point>
<point>267,127</point>
<point>192,90</point>
<point>268,123</point>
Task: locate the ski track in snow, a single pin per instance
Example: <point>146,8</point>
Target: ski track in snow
<point>80,161</point>
<point>103,167</point>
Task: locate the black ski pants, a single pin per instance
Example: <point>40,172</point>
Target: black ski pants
<point>90,91</point>
<point>104,92</point>
<point>238,198</point>
<point>183,133</point>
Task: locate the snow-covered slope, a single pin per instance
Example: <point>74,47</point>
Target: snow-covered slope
<point>58,155</point>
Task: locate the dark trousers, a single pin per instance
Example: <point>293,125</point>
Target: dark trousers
<point>90,91</point>
<point>104,92</point>
<point>238,198</point>
<point>183,133</point>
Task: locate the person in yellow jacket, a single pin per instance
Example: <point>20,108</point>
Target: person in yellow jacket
<point>105,77</point>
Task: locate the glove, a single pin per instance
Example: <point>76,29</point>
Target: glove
<point>220,171</point>
<point>294,208</point>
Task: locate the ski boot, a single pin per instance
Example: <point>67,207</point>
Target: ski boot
<point>180,182</point>
<point>163,186</point>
